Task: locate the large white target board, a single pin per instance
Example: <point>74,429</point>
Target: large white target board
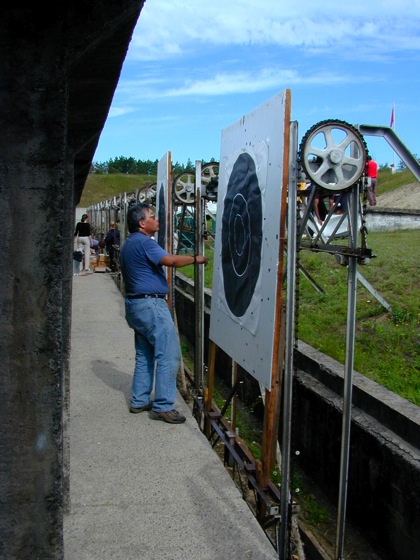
<point>243,309</point>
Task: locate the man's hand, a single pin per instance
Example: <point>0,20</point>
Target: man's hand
<point>201,259</point>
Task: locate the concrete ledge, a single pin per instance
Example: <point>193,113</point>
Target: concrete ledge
<point>391,219</point>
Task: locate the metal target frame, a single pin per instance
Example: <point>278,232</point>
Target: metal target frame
<point>328,162</point>
<point>184,192</point>
<point>325,171</point>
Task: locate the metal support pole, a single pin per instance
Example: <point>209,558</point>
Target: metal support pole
<point>198,283</point>
<point>290,329</point>
<point>348,376</point>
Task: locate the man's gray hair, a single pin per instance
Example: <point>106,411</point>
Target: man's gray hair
<point>135,214</point>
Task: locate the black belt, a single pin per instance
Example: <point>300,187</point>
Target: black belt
<point>147,296</point>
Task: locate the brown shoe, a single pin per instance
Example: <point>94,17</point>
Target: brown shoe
<point>136,410</point>
<point>170,416</point>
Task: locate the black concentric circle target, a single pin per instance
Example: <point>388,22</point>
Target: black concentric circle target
<point>241,235</point>
<point>162,218</point>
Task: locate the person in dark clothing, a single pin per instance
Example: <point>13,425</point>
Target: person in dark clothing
<point>83,237</point>
<point>113,237</point>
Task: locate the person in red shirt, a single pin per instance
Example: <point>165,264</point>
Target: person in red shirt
<point>372,174</point>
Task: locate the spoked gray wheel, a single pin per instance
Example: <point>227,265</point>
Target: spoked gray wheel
<point>209,171</point>
<point>333,155</point>
<point>184,184</point>
<point>142,195</point>
<point>151,192</point>
<point>184,188</point>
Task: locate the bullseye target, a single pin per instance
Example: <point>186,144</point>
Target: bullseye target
<point>248,260</point>
<point>161,215</point>
<point>241,235</point>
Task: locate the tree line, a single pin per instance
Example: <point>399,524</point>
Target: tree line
<point>132,166</point>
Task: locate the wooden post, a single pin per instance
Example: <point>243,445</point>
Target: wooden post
<point>272,400</point>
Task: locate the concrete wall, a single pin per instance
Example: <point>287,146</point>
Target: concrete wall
<point>59,67</point>
<point>384,471</point>
<point>380,219</point>
<point>384,476</point>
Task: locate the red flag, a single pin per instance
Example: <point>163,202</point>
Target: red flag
<point>392,118</point>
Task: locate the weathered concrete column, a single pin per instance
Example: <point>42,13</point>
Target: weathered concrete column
<point>59,67</point>
<point>36,216</point>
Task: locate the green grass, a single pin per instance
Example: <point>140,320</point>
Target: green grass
<point>386,344</point>
<point>388,181</point>
<point>99,188</point>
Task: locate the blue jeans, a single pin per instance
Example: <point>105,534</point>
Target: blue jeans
<point>157,344</point>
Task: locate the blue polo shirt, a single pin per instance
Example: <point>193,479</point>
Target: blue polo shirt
<point>139,261</point>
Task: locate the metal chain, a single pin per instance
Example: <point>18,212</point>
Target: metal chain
<point>364,198</point>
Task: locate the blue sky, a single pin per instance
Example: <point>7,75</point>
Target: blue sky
<point>194,68</point>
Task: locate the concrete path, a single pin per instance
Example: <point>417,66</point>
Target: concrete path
<point>140,489</point>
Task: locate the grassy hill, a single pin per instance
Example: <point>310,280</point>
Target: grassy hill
<point>99,188</point>
<point>388,181</point>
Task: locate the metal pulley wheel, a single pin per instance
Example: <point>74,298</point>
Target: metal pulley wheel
<point>184,184</point>
<point>333,155</point>
<point>142,194</point>
<point>151,193</point>
<point>184,188</point>
<point>210,180</point>
<point>209,172</point>
<point>146,194</point>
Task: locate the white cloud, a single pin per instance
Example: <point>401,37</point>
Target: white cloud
<point>230,83</point>
<point>119,111</point>
<point>247,82</point>
<point>170,28</point>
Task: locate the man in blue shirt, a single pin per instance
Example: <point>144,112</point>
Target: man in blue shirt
<point>155,337</point>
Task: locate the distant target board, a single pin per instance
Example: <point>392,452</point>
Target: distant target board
<point>243,311</point>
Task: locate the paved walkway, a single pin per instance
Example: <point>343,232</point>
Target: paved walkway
<point>140,489</point>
